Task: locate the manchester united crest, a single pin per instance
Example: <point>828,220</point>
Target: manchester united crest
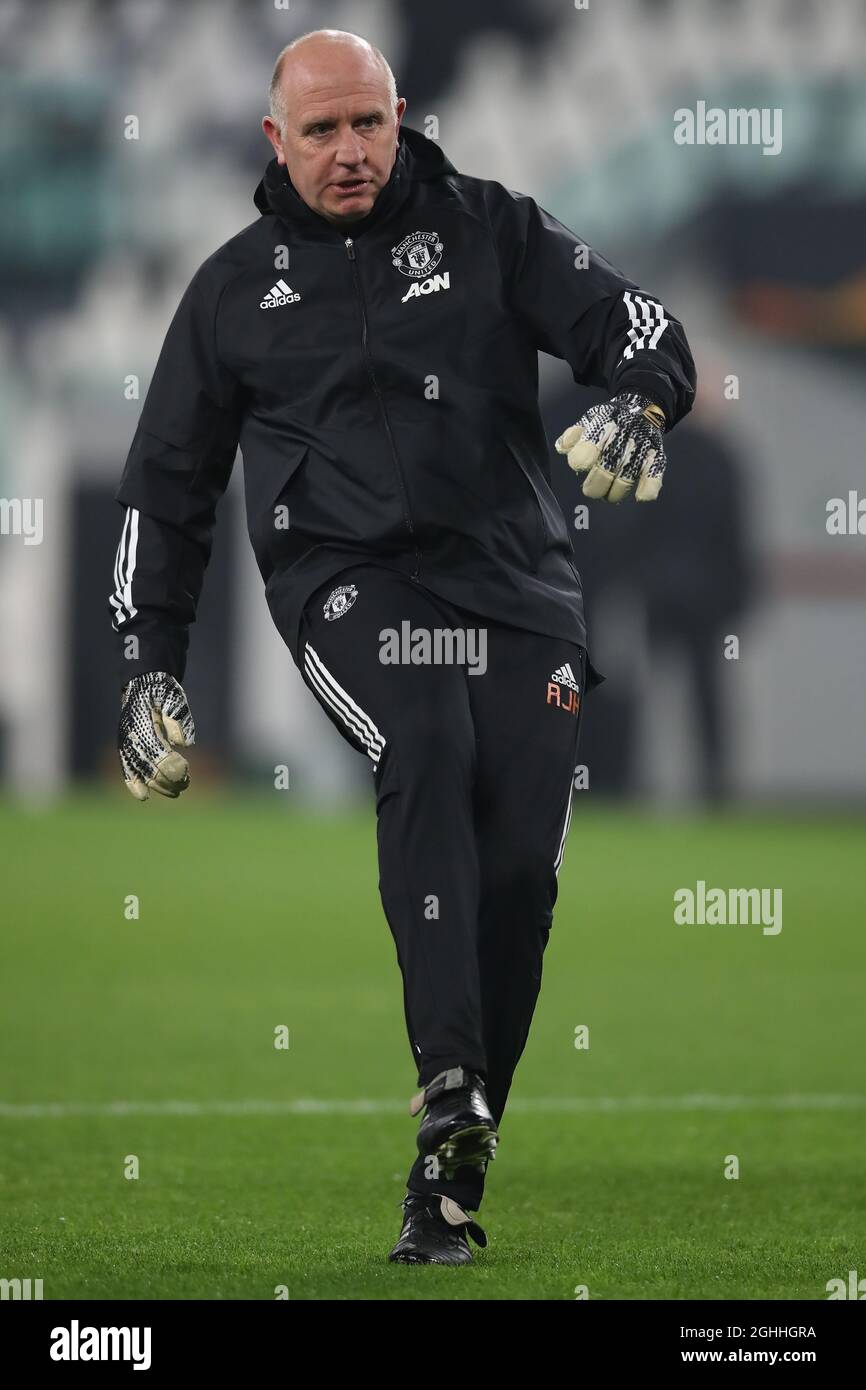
<point>339,602</point>
<point>417,255</point>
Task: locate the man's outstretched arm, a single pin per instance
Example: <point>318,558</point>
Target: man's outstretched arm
<point>575,305</point>
<point>177,469</point>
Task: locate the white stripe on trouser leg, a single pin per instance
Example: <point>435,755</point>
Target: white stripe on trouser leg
<point>561,851</point>
<point>341,702</point>
<point>353,724</point>
<point>343,705</point>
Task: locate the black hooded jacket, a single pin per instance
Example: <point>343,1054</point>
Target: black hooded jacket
<point>381,380</point>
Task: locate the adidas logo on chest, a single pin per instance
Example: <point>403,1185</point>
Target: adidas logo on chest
<point>279,294</point>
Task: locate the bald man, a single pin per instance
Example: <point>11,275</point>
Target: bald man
<point>371,343</point>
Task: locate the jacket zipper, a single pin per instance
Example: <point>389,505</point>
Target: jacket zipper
<point>401,482</point>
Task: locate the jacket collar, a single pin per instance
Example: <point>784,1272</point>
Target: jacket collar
<point>417,159</point>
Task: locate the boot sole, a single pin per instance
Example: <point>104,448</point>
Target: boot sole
<point>419,1259</point>
<point>470,1147</point>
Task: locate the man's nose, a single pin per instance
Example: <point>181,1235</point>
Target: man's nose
<point>350,148</point>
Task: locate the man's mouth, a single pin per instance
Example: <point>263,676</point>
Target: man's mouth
<point>346,187</point>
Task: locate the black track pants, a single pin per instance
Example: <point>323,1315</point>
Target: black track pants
<point>473,766</point>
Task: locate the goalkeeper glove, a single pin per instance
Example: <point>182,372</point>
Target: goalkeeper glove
<point>154,715</point>
<point>617,444</point>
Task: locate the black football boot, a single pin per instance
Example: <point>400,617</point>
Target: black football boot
<point>458,1128</point>
<point>435,1232</point>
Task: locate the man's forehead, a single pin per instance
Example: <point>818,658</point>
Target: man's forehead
<point>338,82</point>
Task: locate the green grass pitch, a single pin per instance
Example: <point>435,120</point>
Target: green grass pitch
<point>253,916</point>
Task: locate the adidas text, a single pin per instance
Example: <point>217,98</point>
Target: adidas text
<point>280,293</point>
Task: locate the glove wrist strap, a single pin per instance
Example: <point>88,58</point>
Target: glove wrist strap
<point>655,413</point>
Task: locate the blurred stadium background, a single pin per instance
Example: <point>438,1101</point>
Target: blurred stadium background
<point>699,766</point>
<point>761,256</point>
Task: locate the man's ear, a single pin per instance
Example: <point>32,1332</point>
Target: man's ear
<point>272,131</point>
<point>400,110</point>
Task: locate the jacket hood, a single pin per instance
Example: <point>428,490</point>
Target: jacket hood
<point>417,159</point>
